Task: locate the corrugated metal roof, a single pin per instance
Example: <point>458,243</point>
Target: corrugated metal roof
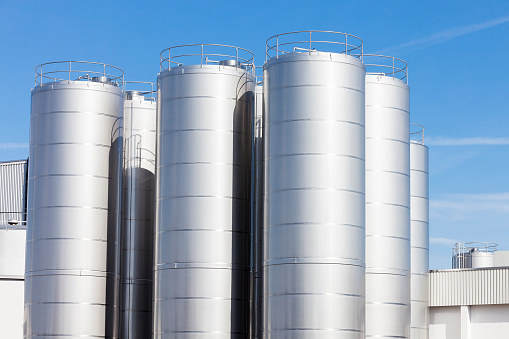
<point>13,181</point>
<point>482,286</point>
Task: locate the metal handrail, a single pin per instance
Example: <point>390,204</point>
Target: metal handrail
<point>243,57</point>
<point>396,68</point>
<point>273,45</point>
<point>16,224</point>
<point>418,135</point>
<point>258,77</point>
<point>461,250</point>
<point>41,76</point>
<point>148,94</point>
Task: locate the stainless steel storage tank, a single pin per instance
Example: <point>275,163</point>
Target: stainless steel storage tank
<point>387,198</point>
<point>72,261</point>
<point>138,220</point>
<point>203,197</point>
<point>257,236</point>
<point>314,209</point>
<point>419,224</point>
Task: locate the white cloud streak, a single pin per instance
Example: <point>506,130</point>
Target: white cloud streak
<point>443,36</point>
<point>12,145</point>
<point>471,206</point>
<point>443,241</point>
<point>473,141</point>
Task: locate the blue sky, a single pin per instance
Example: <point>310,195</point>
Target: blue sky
<point>457,52</point>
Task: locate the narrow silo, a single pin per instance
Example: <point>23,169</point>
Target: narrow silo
<point>203,195</point>
<point>137,214</point>
<point>257,237</point>
<point>72,261</point>
<point>419,223</point>
<point>314,206</point>
<point>387,198</point>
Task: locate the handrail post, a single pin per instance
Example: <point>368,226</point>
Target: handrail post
<point>310,41</point>
<point>236,58</point>
<point>346,44</point>
<point>393,68</point>
<point>104,70</point>
<point>201,57</point>
<point>41,76</point>
<point>69,71</point>
<point>277,47</point>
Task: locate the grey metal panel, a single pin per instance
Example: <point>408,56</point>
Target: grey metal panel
<point>419,223</point>
<point>72,262</point>
<point>13,185</point>
<point>482,286</point>
<point>138,221</point>
<point>203,197</point>
<point>314,206</point>
<point>387,207</point>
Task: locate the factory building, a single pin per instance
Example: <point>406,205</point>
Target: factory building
<point>13,188</point>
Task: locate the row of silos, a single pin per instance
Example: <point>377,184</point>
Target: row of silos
<point>276,211</point>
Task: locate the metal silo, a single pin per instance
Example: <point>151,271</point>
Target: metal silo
<point>203,195</point>
<point>419,223</point>
<point>387,198</point>
<point>138,221</point>
<point>257,233</point>
<point>314,208</point>
<point>72,261</point>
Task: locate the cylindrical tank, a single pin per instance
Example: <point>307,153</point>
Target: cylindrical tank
<point>72,260</point>
<point>419,224</point>
<point>387,198</point>
<point>482,259</point>
<point>257,247</point>
<point>314,206</point>
<point>203,195</point>
<point>138,221</point>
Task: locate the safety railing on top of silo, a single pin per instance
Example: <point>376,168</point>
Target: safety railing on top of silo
<point>79,71</point>
<point>417,133</point>
<point>259,75</point>
<point>313,41</point>
<point>134,156</point>
<point>144,88</point>
<point>207,54</point>
<point>461,250</point>
<point>386,66</point>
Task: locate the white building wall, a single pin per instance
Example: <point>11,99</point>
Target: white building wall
<point>12,248</point>
<point>11,308</point>
<point>469,322</point>
<point>469,304</point>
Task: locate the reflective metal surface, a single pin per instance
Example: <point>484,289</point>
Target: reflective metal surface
<point>387,207</point>
<point>72,261</point>
<point>419,223</point>
<point>257,247</point>
<point>138,211</point>
<point>314,206</point>
<point>202,253</point>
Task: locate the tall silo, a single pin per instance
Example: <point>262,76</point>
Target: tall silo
<point>203,195</point>
<point>257,233</point>
<point>314,206</point>
<point>387,198</point>
<point>137,214</point>
<point>419,223</point>
<point>72,261</point>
